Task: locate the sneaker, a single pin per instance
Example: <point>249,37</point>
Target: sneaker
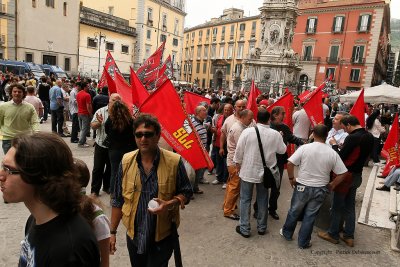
<point>241,233</point>
<point>84,145</point>
<point>203,181</point>
<point>224,186</point>
<point>215,182</point>
<point>349,241</point>
<point>281,233</point>
<point>326,236</point>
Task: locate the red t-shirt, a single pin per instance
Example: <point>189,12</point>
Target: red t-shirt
<point>82,99</point>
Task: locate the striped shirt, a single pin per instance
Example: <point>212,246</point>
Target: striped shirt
<point>200,129</point>
<point>145,222</point>
<point>100,132</point>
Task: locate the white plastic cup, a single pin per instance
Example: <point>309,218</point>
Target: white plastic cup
<point>153,204</point>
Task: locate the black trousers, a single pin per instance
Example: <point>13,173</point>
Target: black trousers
<point>274,195</point>
<point>101,170</point>
<point>275,191</point>
<point>157,255</point>
<point>57,120</point>
<point>75,127</point>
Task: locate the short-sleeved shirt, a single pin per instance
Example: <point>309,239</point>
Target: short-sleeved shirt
<point>228,124</point>
<point>232,138</point>
<point>301,124</point>
<point>54,94</point>
<point>35,102</point>
<point>316,161</point>
<point>82,99</point>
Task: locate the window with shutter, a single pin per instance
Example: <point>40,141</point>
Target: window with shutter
<point>329,72</point>
<point>364,23</point>
<point>338,24</point>
<point>358,54</point>
<point>333,56</point>
<point>307,53</point>
<point>355,75</point>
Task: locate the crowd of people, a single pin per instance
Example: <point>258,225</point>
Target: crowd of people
<point>148,182</point>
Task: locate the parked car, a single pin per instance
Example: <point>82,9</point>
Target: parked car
<point>55,70</point>
<point>21,68</point>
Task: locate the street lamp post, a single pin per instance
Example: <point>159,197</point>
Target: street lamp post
<point>98,36</point>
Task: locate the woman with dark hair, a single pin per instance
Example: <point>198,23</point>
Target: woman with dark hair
<point>376,129</point>
<point>39,171</point>
<point>120,136</point>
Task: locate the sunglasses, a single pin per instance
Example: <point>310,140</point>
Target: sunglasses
<point>8,170</point>
<point>144,134</point>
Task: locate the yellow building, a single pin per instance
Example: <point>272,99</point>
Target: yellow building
<point>155,21</point>
<point>6,18</point>
<point>214,52</point>
<point>100,32</point>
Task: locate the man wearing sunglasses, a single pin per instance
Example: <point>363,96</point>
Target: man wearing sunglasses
<point>151,185</point>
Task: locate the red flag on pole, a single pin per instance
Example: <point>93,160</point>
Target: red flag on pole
<point>192,100</point>
<point>139,93</point>
<point>358,110</point>
<point>303,95</point>
<point>110,66</point>
<point>286,102</point>
<point>390,149</point>
<point>177,128</point>
<point>313,107</point>
<point>117,84</point>
<point>152,63</point>
<point>252,101</point>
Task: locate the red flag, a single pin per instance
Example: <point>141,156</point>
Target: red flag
<point>139,93</point>
<point>252,101</point>
<point>286,91</point>
<point>390,149</point>
<point>192,100</point>
<point>117,84</point>
<point>286,102</point>
<point>358,110</point>
<point>177,128</point>
<point>303,95</point>
<point>151,64</point>
<point>110,66</point>
<point>313,107</point>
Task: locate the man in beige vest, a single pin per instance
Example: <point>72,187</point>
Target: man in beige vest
<point>150,186</point>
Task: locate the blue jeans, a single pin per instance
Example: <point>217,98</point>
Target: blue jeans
<point>343,207</point>
<point>84,125</point>
<point>199,175</point>
<point>246,193</point>
<point>305,199</point>
<point>393,177</point>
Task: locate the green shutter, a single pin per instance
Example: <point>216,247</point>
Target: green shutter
<point>353,56</point>
<point>343,20</point>
<point>361,53</point>
<point>334,24</point>
<point>308,23</point>
<point>359,23</point>
<point>369,22</point>
<point>315,25</point>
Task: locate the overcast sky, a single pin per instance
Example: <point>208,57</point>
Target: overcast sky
<point>200,11</point>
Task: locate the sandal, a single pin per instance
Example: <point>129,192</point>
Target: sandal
<point>233,217</point>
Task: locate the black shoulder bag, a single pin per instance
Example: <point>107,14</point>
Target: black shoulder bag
<point>269,180</point>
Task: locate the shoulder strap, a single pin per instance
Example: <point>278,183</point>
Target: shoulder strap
<point>260,146</point>
<point>97,213</point>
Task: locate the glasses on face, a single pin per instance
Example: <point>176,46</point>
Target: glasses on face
<point>144,134</point>
<point>8,170</point>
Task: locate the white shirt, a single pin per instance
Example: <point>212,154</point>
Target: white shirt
<point>248,152</point>
<point>73,105</point>
<point>301,124</point>
<point>316,161</point>
<point>101,225</point>
<point>338,135</point>
<point>100,132</point>
<point>377,129</point>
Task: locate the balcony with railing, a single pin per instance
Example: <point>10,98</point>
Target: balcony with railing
<point>332,60</point>
<point>105,21</point>
<point>357,61</point>
<point>310,59</point>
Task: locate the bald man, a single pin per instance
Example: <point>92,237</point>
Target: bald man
<point>198,123</point>
<point>101,167</point>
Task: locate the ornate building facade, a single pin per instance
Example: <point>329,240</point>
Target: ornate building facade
<point>214,52</point>
<point>345,38</point>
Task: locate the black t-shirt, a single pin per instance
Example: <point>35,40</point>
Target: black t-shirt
<point>63,241</point>
<point>43,91</point>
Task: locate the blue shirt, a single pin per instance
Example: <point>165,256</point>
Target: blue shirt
<point>54,94</point>
<point>145,222</point>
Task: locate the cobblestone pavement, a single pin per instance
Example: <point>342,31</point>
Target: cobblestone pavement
<point>209,239</point>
